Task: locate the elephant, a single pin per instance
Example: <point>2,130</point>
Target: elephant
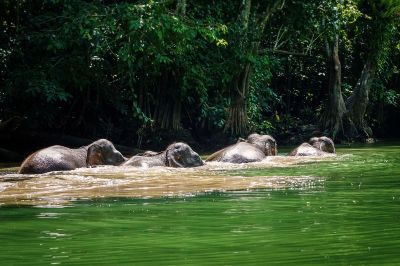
<point>178,155</point>
<point>60,158</point>
<point>316,146</point>
<point>147,153</point>
<point>323,143</point>
<point>253,149</point>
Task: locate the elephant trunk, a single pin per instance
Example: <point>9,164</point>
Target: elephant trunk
<point>171,161</point>
<point>196,160</point>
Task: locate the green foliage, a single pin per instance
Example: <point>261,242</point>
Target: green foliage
<point>262,98</point>
<point>108,67</point>
<point>391,97</point>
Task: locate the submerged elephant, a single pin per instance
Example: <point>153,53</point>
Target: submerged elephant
<point>175,155</point>
<point>321,146</point>
<point>147,153</point>
<point>60,158</point>
<point>323,143</point>
<point>253,149</point>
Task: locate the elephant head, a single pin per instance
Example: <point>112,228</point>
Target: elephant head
<point>103,151</point>
<point>266,143</point>
<point>181,155</point>
<point>323,143</point>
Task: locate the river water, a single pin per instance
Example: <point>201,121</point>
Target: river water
<point>302,211</point>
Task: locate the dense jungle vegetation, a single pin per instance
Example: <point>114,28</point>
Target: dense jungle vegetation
<point>143,73</point>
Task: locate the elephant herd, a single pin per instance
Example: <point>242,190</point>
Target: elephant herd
<point>102,152</point>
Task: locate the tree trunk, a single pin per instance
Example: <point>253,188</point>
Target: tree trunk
<point>167,105</point>
<point>332,119</point>
<point>358,101</point>
<point>237,122</point>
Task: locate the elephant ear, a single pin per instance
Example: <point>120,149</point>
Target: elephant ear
<point>173,158</point>
<point>274,147</point>
<point>328,146</point>
<point>94,156</point>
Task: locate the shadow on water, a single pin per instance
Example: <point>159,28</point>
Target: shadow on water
<point>61,187</point>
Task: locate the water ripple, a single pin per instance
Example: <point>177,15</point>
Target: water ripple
<point>60,187</point>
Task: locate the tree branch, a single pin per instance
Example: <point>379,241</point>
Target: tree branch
<point>276,51</point>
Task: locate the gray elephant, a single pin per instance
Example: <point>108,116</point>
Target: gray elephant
<point>147,153</point>
<point>178,154</point>
<point>253,149</point>
<point>60,158</point>
<point>316,146</point>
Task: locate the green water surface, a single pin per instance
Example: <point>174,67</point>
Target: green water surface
<point>352,217</point>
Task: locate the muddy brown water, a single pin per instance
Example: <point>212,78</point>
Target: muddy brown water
<point>112,181</point>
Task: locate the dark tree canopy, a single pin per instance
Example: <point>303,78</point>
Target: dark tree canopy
<point>135,71</point>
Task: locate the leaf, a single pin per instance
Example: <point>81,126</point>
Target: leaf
<point>134,25</point>
<point>222,42</point>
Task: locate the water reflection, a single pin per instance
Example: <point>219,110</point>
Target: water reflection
<point>48,234</point>
<point>59,188</point>
<point>49,215</point>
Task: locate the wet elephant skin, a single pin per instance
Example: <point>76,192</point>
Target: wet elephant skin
<point>316,146</point>
<point>60,158</point>
<point>253,149</point>
<point>175,155</point>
